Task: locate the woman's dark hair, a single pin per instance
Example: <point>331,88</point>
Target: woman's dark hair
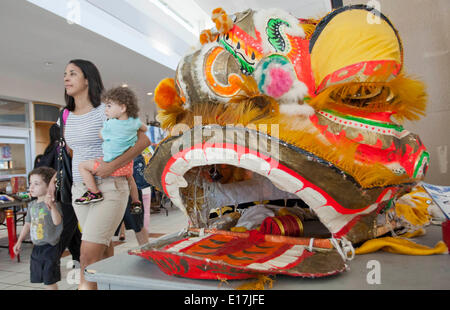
<point>95,83</point>
<point>55,134</point>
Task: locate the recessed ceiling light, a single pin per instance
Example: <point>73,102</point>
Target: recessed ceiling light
<point>124,85</point>
<point>149,94</point>
<point>48,63</point>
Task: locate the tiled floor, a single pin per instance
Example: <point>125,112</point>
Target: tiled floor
<point>16,276</point>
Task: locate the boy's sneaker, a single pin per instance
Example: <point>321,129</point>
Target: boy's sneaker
<point>89,197</point>
<point>136,208</point>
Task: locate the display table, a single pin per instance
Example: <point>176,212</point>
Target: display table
<point>396,271</point>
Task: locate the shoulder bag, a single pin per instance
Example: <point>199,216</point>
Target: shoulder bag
<point>64,168</point>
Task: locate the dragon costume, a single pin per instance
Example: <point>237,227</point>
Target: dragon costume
<point>298,117</point>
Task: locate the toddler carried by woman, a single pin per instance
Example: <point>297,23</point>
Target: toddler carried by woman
<point>119,133</point>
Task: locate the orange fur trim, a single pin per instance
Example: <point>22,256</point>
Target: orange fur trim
<point>223,22</point>
<point>206,36</point>
<point>217,12</point>
<point>166,95</point>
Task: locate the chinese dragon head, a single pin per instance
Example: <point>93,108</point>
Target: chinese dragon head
<point>275,108</point>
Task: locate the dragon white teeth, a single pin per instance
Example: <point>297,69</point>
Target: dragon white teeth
<point>180,166</point>
<point>172,178</point>
<point>285,181</point>
<point>195,158</point>
<point>172,190</point>
<point>254,163</point>
<point>312,198</point>
<point>220,155</point>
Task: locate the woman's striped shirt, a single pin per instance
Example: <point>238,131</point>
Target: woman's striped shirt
<point>82,136</point>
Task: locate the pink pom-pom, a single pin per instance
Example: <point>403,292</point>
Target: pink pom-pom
<point>280,82</point>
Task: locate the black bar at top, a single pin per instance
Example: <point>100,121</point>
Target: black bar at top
<point>335,4</point>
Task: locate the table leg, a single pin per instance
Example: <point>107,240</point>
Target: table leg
<point>12,237</point>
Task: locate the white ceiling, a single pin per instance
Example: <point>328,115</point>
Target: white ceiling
<point>298,8</point>
<point>31,36</point>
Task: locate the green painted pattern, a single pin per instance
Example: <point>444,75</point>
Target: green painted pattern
<point>244,64</point>
<point>398,128</point>
<point>274,35</point>
<point>422,158</point>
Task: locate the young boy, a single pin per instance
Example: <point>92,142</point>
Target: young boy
<point>44,222</point>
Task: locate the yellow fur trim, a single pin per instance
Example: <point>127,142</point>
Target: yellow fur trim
<point>309,27</point>
<point>400,246</point>
<point>258,284</point>
<point>404,96</point>
<point>295,130</point>
<point>412,209</point>
<point>253,110</point>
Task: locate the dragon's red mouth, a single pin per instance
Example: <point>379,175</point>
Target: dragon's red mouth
<point>290,174</point>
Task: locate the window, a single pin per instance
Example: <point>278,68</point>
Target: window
<point>13,114</point>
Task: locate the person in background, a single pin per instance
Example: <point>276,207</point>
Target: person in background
<point>44,223</point>
<point>37,160</point>
<point>133,220</point>
<point>155,134</point>
<point>49,158</point>
<point>71,235</point>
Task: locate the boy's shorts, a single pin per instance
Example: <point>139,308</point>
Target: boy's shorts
<point>126,170</point>
<point>45,264</point>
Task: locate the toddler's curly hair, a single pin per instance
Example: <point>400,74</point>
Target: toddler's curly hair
<point>125,96</point>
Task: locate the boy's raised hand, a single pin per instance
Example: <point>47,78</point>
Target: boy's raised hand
<point>49,202</point>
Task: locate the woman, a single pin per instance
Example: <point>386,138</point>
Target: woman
<point>83,88</point>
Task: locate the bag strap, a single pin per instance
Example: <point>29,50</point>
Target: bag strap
<point>62,122</point>
<point>65,115</point>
